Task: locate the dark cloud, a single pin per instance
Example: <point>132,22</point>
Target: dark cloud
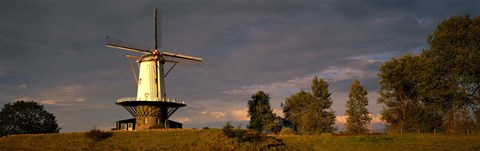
<point>53,51</point>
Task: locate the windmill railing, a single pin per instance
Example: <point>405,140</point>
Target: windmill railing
<point>129,99</point>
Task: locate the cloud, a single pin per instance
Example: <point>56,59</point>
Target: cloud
<point>247,46</point>
<point>424,21</point>
<point>50,102</point>
<point>218,114</point>
<point>183,120</point>
<point>375,124</point>
<point>332,74</point>
<point>240,115</point>
<point>22,86</point>
<point>64,95</point>
<point>342,119</point>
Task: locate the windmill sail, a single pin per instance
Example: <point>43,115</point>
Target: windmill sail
<point>184,62</point>
<point>113,43</point>
<point>158,29</point>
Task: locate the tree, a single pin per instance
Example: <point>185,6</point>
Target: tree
<point>261,116</point>
<point>320,110</point>
<point>311,112</point>
<point>28,117</point>
<point>357,113</point>
<point>451,81</point>
<point>399,85</point>
<point>439,88</point>
<point>295,108</point>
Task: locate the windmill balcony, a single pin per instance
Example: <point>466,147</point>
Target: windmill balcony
<point>131,99</point>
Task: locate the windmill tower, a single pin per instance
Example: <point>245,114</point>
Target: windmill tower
<point>151,107</point>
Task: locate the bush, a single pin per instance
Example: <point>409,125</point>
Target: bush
<point>97,135</point>
<point>228,130</point>
<point>206,128</point>
<point>241,135</point>
<point>287,131</point>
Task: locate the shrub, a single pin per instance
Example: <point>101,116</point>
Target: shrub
<point>206,128</point>
<point>287,131</point>
<point>97,135</point>
<point>241,135</point>
<point>228,130</point>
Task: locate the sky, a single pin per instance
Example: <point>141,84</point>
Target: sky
<point>53,52</point>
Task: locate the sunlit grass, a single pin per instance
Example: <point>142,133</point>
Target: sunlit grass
<point>213,139</point>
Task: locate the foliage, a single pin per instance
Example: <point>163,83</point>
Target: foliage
<point>440,88</point>
<point>262,118</point>
<point>477,119</point>
<point>451,83</point>
<point>321,113</point>
<point>287,131</point>
<point>357,113</point>
<point>26,117</point>
<point>310,113</point>
<point>228,130</point>
<point>97,135</point>
<point>399,88</point>
<point>295,107</point>
<point>240,135</point>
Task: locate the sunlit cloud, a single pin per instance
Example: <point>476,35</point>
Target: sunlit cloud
<point>183,120</point>
<point>240,115</point>
<point>218,114</point>
<point>64,95</point>
<point>22,86</point>
<point>332,74</point>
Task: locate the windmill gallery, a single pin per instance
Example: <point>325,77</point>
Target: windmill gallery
<point>151,108</point>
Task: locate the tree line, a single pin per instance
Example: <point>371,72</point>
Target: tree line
<point>310,112</point>
<point>437,90</point>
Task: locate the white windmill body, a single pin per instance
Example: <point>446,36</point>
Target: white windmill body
<point>149,87</point>
<point>151,107</point>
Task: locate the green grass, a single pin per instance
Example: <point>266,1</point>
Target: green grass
<point>213,139</point>
<point>390,142</point>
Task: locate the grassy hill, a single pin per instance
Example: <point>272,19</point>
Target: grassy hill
<point>213,139</point>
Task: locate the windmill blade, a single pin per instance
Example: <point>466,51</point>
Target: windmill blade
<point>184,62</point>
<point>173,55</point>
<point>113,43</point>
<point>158,28</point>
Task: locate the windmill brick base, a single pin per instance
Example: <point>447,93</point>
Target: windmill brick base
<point>150,114</point>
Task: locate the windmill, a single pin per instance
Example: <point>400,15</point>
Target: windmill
<point>151,107</point>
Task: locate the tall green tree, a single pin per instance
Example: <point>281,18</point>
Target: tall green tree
<point>295,108</point>
<point>320,109</point>
<point>451,83</point>
<point>440,88</point>
<point>357,113</point>
<point>310,113</point>
<point>262,118</point>
<point>25,117</point>
<point>399,84</point>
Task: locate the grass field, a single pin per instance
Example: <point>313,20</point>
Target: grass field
<point>213,139</point>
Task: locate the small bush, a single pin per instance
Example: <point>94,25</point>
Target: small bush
<point>228,130</point>
<point>247,135</point>
<point>97,135</point>
<point>206,128</point>
<point>287,131</point>
<point>241,135</point>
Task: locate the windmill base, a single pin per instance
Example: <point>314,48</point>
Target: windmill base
<point>151,114</point>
